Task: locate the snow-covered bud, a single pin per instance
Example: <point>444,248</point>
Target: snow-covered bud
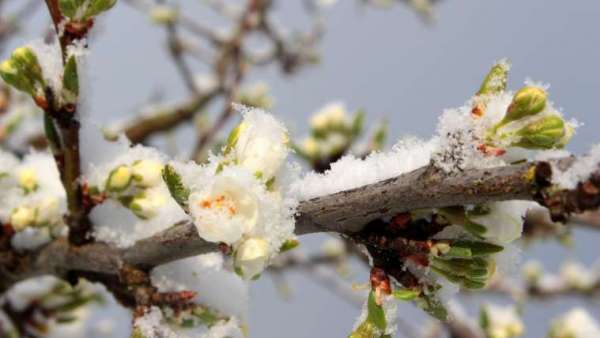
<point>224,211</point>
<point>119,179</point>
<point>528,101</point>
<point>546,133</point>
<point>147,204</point>
<point>501,322</point>
<point>259,144</point>
<point>22,217</point>
<point>28,180</point>
<point>251,257</point>
<point>577,323</point>
<point>147,173</point>
<point>163,15</point>
<point>495,80</point>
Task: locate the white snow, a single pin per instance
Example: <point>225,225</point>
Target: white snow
<point>351,172</point>
<point>579,171</point>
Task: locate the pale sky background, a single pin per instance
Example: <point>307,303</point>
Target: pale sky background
<point>396,67</point>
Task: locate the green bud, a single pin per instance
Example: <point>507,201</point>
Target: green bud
<point>546,133</point>
<point>71,81</point>
<point>27,62</point>
<point>13,76</point>
<point>495,80</point>
<point>528,101</point>
<point>119,179</point>
<point>288,245</point>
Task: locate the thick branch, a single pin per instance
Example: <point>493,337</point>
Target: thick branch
<point>343,212</point>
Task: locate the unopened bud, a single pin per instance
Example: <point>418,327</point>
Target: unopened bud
<point>546,133</point>
<point>147,205</point>
<point>495,80</point>
<point>528,101</point>
<point>27,179</point>
<point>22,217</point>
<point>251,257</point>
<point>119,179</point>
<point>11,74</point>
<point>147,173</point>
<point>163,15</point>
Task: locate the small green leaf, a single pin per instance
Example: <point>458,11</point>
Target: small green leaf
<point>96,7</point>
<point>375,315</point>
<point>358,123</point>
<point>178,191</point>
<point>289,245</point>
<point>71,80</point>
<point>478,248</point>
<point>432,306</point>
<point>70,8</point>
<point>405,294</point>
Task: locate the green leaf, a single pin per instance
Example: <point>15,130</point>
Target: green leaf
<point>96,7</point>
<point>405,294</point>
<point>484,320</point>
<point>173,180</point>
<point>432,306</point>
<point>289,245</point>
<point>478,248</point>
<point>71,80</point>
<point>69,8</point>
<point>358,123</point>
<point>375,315</point>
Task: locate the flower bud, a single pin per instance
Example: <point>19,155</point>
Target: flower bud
<point>528,101</point>
<point>22,217</point>
<point>147,205</point>
<point>27,61</point>
<point>546,133</point>
<point>119,179</point>
<point>163,15</point>
<point>495,80</point>
<point>48,211</point>
<point>251,257</point>
<point>11,74</point>
<point>147,173</point>
<point>27,180</point>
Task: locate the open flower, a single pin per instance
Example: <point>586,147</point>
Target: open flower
<point>224,211</point>
<point>503,221</point>
<point>251,257</point>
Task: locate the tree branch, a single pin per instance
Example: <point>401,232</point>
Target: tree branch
<point>345,212</point>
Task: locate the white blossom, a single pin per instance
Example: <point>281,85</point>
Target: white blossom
<point>576,323</point>
<point>502,321</point>
<point>226,210</point>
